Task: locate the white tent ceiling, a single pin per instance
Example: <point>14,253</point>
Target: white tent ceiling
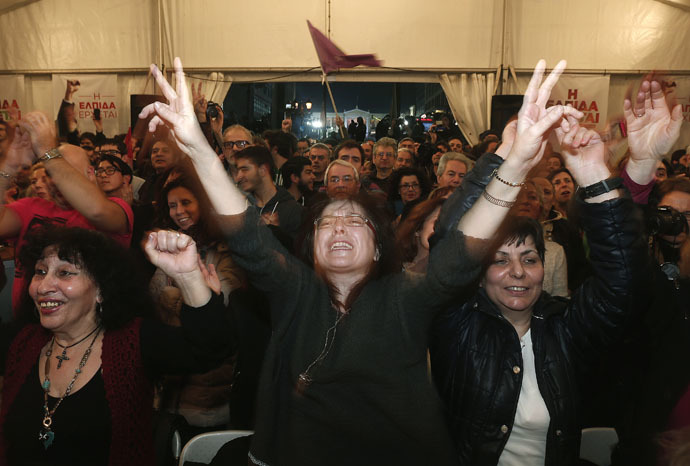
<point>265,35</point>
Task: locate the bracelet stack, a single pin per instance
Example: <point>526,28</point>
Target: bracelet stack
<point>512,185</point>
<point>498,202</point>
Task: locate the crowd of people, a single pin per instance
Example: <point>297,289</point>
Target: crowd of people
<point>393,299</point>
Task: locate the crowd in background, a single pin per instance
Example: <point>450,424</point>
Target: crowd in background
<point>129,184</point>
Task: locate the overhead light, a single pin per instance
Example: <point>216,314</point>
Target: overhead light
<point>308,104</point>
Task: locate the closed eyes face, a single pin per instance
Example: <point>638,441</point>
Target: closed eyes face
<point>514,279</point>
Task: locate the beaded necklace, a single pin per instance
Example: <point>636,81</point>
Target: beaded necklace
<point>46,435</point>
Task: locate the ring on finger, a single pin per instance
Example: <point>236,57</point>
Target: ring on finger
<point>639,115</point>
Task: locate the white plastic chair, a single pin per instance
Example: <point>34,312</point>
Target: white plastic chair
<point>203,447</point>
<point>597,445</point>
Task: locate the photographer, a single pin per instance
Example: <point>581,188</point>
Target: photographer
<point>210,116</point>
<point>650,370</point>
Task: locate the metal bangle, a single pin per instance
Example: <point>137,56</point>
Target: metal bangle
<point>498,202</point>
<point>512,185</point>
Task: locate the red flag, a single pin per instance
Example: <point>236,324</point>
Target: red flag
<point>332,58</point>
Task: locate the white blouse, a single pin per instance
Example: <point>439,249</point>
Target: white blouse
<point>526,445</point>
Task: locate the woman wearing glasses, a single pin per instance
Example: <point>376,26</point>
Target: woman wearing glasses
<point>344,378</point>
<point>407,187</point>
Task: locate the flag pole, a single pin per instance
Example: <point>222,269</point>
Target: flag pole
<point>335,110</point>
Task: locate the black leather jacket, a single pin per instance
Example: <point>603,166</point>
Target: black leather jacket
<point>476,353</point>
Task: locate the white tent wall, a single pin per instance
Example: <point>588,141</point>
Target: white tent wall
<point>79,35</point>
<point>265,39</point>
<point>625,35</point>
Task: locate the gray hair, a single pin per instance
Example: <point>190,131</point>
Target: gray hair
<point>448,156</point>
<point>344,164</point>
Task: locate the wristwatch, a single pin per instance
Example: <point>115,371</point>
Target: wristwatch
<point>602,187</point>
<point>53,153</point>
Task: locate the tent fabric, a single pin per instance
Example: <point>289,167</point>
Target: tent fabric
<point>469,97</point>
<point>263,39</point>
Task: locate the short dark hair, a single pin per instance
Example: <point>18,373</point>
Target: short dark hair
<point>516,230</point>
<point>294,166</point>
<point>118,163</point>
<point>90,136</point>
<point>284,142</point>
<point>349,144</point>
<point>121,146</point>
<point>106,262</point>
<point>405,233</point>
<point>680,184</point>
<point>677,154</point>
<point>257,155</point>
<point>553,174</point>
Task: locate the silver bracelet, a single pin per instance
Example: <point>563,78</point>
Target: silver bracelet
<point>498,202</point>
<point>4,174</point>
<point>512,185</point>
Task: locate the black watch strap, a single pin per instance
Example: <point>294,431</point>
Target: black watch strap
<point>602,187</point>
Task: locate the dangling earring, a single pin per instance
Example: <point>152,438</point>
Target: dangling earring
<point>377,255</point>
<point>99,308</point>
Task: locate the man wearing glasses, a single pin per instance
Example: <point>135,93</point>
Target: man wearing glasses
<point>235,138</point>
<point>117,149</point>
<point>385,151</point>
<point>114,177</point>
<point>342,180</point>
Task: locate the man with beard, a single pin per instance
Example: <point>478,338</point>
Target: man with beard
<point>298,178</point>
<point>277,206</point>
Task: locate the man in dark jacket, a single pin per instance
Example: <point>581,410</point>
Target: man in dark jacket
<point>277,206</point>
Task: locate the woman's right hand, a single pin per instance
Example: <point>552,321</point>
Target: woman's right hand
<point>178,114</point>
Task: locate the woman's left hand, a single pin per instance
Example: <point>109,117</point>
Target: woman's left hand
<point>584,153</point>
<point>173,252</point>
<point>210,276</point>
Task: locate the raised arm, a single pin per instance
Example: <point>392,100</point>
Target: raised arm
<point>178,115</point>
<point>534,125</point>
<point>176,255</point>
<point>653,128</point>
<point>72,174</point>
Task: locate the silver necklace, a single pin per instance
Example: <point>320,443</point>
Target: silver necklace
<point>305,379</point>
<point>46,435</point>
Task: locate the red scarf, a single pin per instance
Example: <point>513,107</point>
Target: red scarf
<point>128,390</point>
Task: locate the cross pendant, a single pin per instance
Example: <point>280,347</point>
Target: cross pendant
<point>62,357</point>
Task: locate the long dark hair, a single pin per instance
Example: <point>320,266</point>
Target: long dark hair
<point>206,231</point>
<point>405,234</point>
<point>107,263</point>
<point>375,210</point>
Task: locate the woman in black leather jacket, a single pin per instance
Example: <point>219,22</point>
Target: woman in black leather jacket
<point>511,360</point>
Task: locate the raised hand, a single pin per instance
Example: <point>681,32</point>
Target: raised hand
<point>535,121</point>
<point>200,103</point>
<point>652,129</point>
<point>584,153</point>
<point>42,131</point>
<point>217,123</point>
<point>286,125</point>
<point>70,89</point>
<point>172,252</point>
<point>19,152</point>
<point>178,114</point>
<point>210,276</point>
<point>507,139</point>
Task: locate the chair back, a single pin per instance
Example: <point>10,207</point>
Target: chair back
<point>597,445</point>
<point>203,447</point>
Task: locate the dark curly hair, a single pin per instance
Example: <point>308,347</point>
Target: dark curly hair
<point>394,185</point>
<point>107,263</point>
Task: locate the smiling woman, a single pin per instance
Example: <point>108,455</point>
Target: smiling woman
<point>78,360</point>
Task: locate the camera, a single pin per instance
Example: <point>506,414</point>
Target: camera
<point>666,221</point>
<point>212,110</point>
